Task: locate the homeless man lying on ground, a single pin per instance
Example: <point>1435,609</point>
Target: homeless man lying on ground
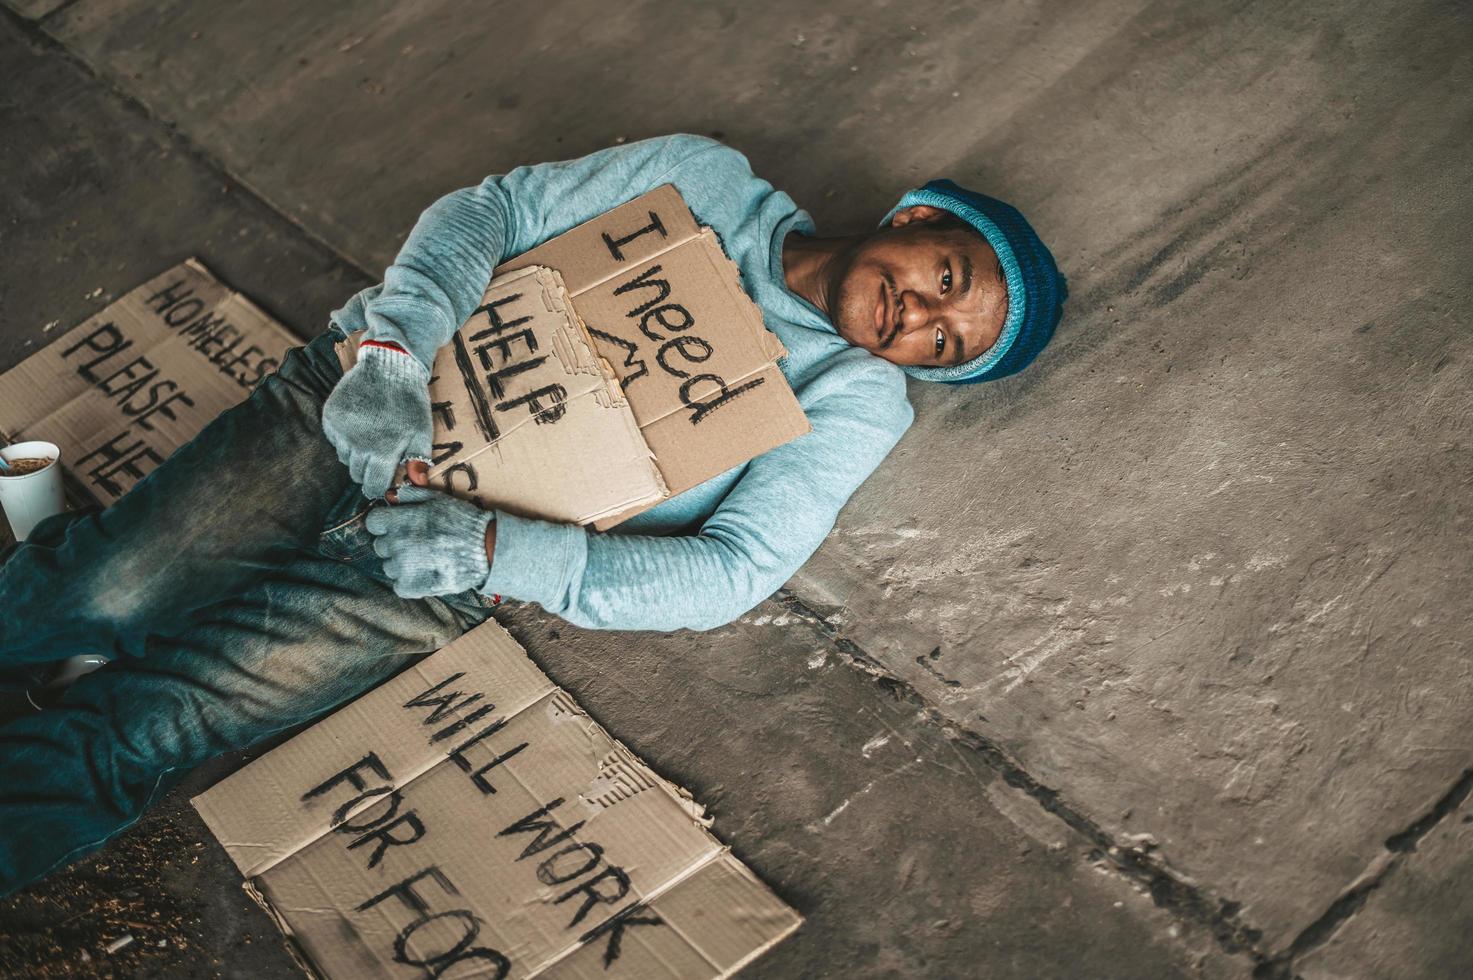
<point>252,581</point>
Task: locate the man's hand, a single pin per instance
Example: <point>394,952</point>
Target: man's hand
<point>378,416</point>
<point>432,543</point>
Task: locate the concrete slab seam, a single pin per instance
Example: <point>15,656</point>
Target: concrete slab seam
<point>56,10</point>
<point>1185,901</point>
<point>1133,861</point>
<point>37,34</point>
<point>1354,897</point>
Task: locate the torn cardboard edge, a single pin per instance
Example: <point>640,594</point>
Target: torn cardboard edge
<point>722,863</point>
<point>661,305</point>
<point>650,227</point>
<point>447,785</point>
<point>528,417</point>
<point>728,275</point>
<point>572,347</point>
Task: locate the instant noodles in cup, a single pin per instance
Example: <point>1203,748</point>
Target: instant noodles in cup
<point>30,485</point>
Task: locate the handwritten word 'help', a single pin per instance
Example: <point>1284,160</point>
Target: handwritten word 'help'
<point>489,382</point>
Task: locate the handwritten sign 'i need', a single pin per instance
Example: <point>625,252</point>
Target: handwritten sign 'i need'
<point>124,389</point>
<point>665,307</point>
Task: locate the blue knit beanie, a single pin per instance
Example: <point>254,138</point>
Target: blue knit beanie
<point>1036,288</point>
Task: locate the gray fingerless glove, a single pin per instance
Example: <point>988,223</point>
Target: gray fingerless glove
<point>431,543</point>
<point>378,416</point>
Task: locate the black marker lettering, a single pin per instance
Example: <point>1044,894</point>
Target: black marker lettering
<point>642,281</point>
<point>105,341</point>
<point>201,329</point>
<point>384,837</point>
<point>547,870</point>
<point>539,822</point>
<point>115,459</point>
<point>615,925</point>
<point>479,776</point>
<point>503,344</point>
<point>351,776</point>
<point>464,469</point>
<point>458,755</point>
<point>444,703</point>
<point>265,367</point>
<point>463,723</point>
<point>405,892</point>
<point>444,412</point>
<point>704,407</point>
<point>155,406</point>
<point>616,244</point>
<point>132,381</point>
<point>630,350</point>
<point>217,339</point>
<point>442,451</point>
<point>494,378</point>
<point>241,358</point>
<point>680,344</point>
<point>480,407</point>
<point>169,296</point>
<point>493,314</point>
<point>661,314</point>
<point>592,896</point>
<point>179,313</point>
<point>533,401</point>
<point>462,950</point>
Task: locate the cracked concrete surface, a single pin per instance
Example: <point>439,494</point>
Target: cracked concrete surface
<point>1190,597</point>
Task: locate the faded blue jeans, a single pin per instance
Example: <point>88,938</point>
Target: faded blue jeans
<point>238,592</point>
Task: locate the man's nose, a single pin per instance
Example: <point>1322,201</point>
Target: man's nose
<point>914,312</point>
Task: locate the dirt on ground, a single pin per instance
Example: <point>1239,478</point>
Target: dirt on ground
<point>125,913</point>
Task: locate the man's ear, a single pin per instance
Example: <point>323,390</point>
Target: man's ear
<point>917,213</point>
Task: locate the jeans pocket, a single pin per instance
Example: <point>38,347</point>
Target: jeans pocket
<point>348,541</point>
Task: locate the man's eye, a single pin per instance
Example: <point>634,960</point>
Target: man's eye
<point>945,282</point>
<point>940,341</point>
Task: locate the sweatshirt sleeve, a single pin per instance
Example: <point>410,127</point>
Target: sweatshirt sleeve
<point>442,269</point>
<point>773,519</point>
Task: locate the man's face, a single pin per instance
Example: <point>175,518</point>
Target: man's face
<point>928,290</point>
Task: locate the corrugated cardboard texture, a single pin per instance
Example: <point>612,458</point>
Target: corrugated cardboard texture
<point>467,819</point>
<point>665,313</point>
<point>528,418</point>
<point>665,306</point>
<point>128,386</point>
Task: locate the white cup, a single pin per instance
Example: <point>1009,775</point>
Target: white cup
<point>30,499</point>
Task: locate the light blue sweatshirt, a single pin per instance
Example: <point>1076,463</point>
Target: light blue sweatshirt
<point>702,558</point>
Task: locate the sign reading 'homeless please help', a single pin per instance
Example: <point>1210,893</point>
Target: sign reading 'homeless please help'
<point>128,386</point>
<point>467,819</point>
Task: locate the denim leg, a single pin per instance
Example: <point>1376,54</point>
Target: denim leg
<point>314,633</point>
<point>243,497</point>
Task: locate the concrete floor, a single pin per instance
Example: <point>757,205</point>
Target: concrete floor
<point>1169,633</point>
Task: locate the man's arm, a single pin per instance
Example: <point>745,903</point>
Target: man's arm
<point>443,268</point>
<point>775,517</point>
<point>378,415</point>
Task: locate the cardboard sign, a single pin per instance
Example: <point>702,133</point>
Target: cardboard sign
<point>128,386</point>
<point>467,819</point>
<point>663,309</point>
<point>528,418</point>
<point>665,306</point>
